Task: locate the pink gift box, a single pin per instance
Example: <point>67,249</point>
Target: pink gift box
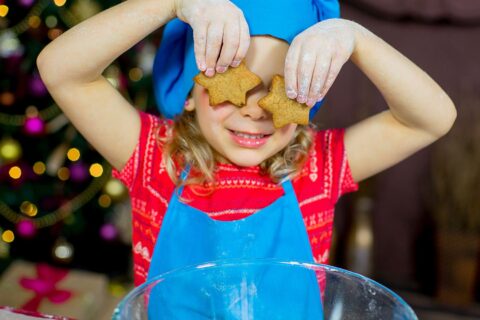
<point>48,290</point>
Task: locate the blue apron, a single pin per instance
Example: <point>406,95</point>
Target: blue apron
<point>189,236</point>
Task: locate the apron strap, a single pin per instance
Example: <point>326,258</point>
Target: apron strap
<point>183,175</point>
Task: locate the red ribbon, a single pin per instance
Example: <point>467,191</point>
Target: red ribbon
<point>44,286</point>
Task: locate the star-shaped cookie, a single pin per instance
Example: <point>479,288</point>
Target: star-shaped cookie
<point>232,85</point>
<point>283,109</point>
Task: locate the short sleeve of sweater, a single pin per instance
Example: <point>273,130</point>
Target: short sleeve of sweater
<point>139,165</point>
<point>330,144</point>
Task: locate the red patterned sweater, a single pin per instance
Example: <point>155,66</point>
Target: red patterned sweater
<point>324,178</point>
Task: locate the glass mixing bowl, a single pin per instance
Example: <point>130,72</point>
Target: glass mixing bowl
<point>262,289</point>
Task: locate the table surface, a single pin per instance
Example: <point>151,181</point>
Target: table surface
<point>15,314</point>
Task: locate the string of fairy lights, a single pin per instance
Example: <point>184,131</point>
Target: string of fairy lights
<point>31,19</point>
<point>47,121</point>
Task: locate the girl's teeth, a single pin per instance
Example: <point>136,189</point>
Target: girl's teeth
<point>249,136</point>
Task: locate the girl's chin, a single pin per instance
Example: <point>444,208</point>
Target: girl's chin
<point>246,161</point>
<point>238,160</point>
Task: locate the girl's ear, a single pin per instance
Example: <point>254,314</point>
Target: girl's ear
<point>189,104</point>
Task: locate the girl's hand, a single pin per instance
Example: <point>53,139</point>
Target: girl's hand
<point>216,24</point>
<point>315,58</point>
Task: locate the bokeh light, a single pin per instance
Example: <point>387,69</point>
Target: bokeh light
<point>34,22</point>
<point>51,21</point>
<point>104,201</point>
<point>63,251</point>
<point>39,167</point>
<point>7,98</point>
<point>31,111</point>
<point>114,188</point>
<point>26,228</point>
<point>96,170</point>
<point>3,10</point>
<point>15,172</point>
<point>28,208</point>
<point>59,3</point>
<point>135,74</point>
<point>10,150</point>
<point>8,236</point>
<point>73,154</point>
<point>34,126</point>
<point>54,33</point>
<point>108,232</point>
<point>63,173</point>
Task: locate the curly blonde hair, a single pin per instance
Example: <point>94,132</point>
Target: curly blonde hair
<point>185,144</point>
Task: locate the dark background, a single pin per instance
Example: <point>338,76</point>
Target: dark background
<point>423,213</point>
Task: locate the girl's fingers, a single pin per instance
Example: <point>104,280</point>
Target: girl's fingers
<point>291,64</point>
<point>199,45</point>
<point>322,66</point>
<point>304,75</point>
<point>231,39</point>
<point>214,42</point>
<point>335,67</point>
<point>244,43</point>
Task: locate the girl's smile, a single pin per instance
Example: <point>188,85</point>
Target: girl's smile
<point>249,140</point>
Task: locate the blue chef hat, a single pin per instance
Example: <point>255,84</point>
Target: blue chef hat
<point>174,66</point>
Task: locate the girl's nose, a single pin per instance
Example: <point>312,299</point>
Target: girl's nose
<point>254,111</point>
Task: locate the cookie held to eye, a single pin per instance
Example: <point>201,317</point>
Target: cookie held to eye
<point>283,109</point>
<point>232,85</point>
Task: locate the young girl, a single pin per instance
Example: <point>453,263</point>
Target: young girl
<point>222,182</point>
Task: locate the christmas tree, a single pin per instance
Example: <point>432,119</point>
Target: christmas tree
<point>58,201</point>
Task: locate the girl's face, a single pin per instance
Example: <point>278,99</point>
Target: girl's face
<point>224,126</point>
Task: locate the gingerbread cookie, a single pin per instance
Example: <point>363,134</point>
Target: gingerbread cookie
<point>232,85</point>
<point>283,109</point>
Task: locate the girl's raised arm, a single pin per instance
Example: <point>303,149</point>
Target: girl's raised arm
<point>71,67</point>
<point>419,112</point>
